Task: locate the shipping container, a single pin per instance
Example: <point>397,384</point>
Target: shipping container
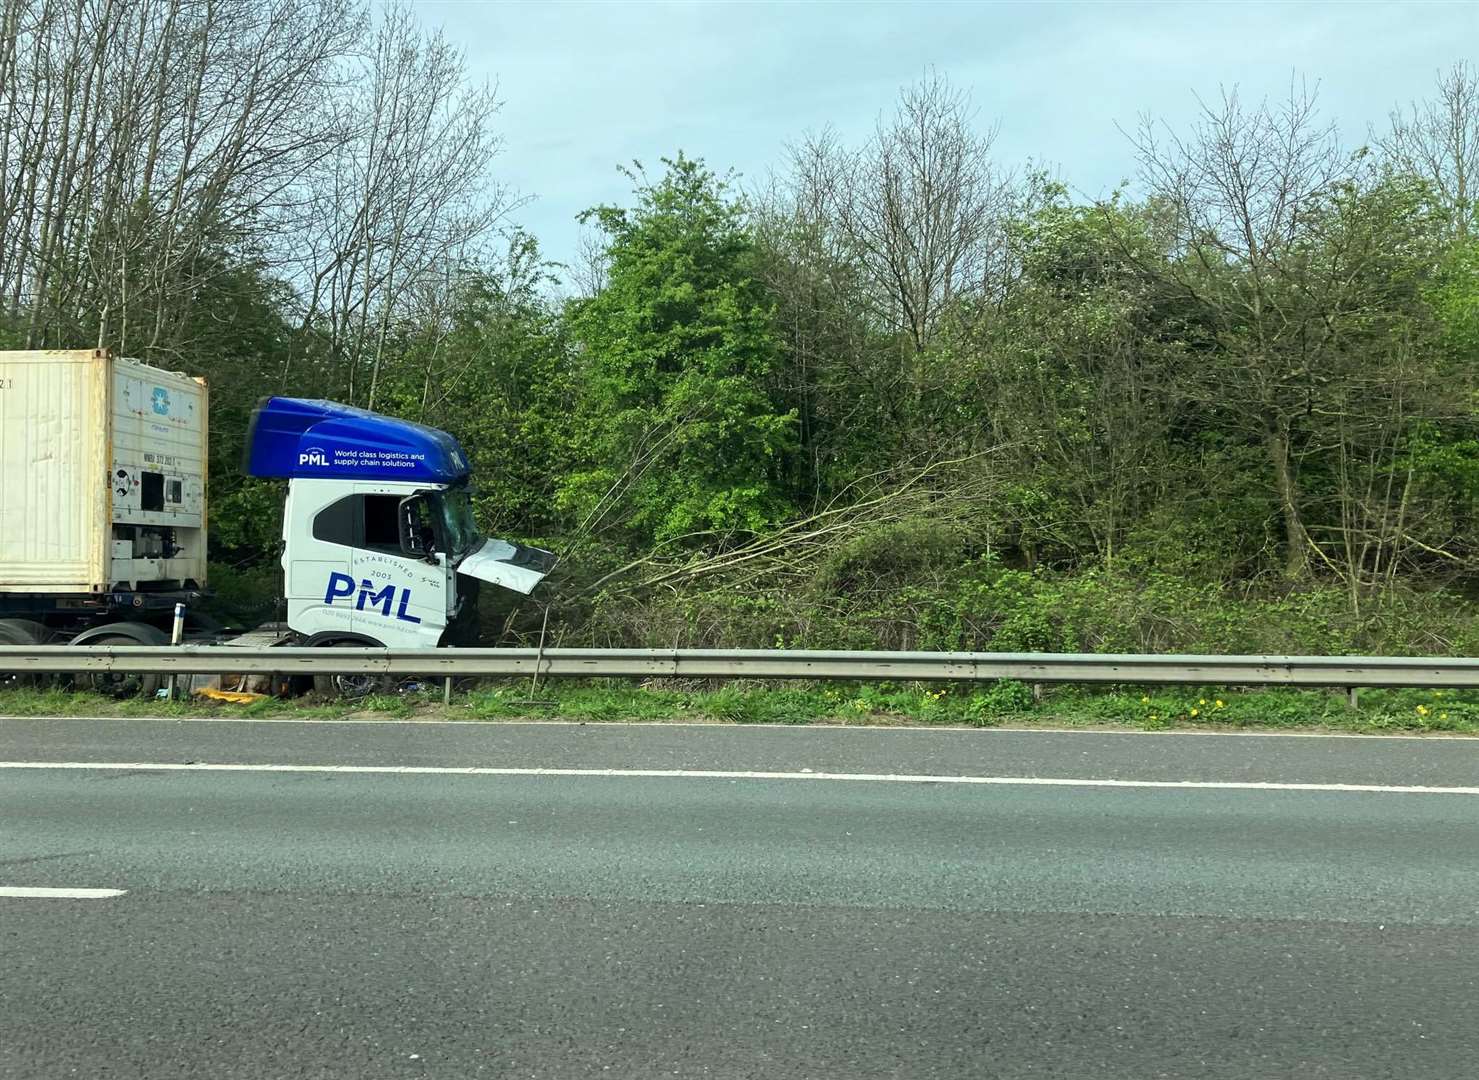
<point>102,475</point>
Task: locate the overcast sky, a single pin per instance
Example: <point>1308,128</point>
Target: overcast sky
<point>587,86</point>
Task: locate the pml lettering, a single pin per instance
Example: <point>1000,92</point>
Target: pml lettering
<point>341,586</point>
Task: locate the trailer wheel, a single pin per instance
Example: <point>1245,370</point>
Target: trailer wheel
<point>21,632</point>
<point>120,684</point>
<point>350,687</point>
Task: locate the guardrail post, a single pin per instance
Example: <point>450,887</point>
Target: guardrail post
<point>1351,697</point>
<point>176,635</point>
<point>447,690</point>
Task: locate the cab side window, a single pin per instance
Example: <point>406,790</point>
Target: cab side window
<point>382,531</point>
<point>361,521</point>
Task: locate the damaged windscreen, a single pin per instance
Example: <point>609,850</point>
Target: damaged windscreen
<point>458,527</point>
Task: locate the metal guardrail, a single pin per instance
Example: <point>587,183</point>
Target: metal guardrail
<point>1346,671</point>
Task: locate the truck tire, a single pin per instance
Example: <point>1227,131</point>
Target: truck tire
<point>21,632</point>
<point>120,684</point>
<point>350,687</point>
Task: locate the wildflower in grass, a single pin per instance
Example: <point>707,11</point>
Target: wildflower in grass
<point>1196,712</point>
<point>1153,716</point>
<point>1422,710</point>
<point>1145,701</point>
<point>1442,716</point>
<point>1219,703</point>
<point>1201,701</point>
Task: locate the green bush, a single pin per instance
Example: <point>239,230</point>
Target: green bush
<point>1003,697</point>
<point>888,556</point>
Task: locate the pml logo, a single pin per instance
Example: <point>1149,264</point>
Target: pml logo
<point>341,587</point>
<point>314,455</point>
<point>161,401</point>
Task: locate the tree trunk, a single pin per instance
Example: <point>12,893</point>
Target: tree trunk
<point>1296,555</point>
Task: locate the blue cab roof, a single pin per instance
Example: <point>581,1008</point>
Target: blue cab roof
<point>323,440</point>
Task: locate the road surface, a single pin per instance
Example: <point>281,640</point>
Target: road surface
<point>437,900</point>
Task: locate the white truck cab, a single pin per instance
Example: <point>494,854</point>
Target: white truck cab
<point>380,546</point>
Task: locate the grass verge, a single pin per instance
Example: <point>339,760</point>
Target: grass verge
<point>1002,704</point>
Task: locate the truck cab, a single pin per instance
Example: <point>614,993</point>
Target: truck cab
<point>379,542</point>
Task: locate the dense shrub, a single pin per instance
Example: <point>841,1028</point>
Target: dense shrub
<point>983,606</point>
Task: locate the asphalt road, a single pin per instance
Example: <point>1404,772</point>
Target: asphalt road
<point>323,923</point>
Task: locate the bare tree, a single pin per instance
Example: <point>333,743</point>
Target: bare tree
<point>874,250</point>
<point>1438,140</point>
<point>918,206</point>
<point>406,195</point>
<point>1304,268</point>
<point>592,263</point>
<point>1242,192</point>
<point>835,378</point>
<point>146,140</point>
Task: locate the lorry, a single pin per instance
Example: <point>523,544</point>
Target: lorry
<point>103,513</point>
<point>379,543</point>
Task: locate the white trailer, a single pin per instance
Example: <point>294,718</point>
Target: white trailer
<point>102,492</point>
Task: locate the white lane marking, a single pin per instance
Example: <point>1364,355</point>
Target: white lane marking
<point>820,725</point>
<point>725,774</point>
<point>25,892</point>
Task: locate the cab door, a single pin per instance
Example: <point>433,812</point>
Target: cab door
<point>400,599</point>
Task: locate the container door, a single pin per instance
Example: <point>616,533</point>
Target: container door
<point>54,488</point>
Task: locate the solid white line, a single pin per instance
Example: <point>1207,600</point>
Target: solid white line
<point>722,774</point>
<point>474,722</point>
<point>59,894</point>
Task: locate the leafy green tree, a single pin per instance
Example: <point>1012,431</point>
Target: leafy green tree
<point>1442,449</point>
<point>674,422</point>
<point>837,371</point>
<point>484,356</point>
<point>1076,377</point>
